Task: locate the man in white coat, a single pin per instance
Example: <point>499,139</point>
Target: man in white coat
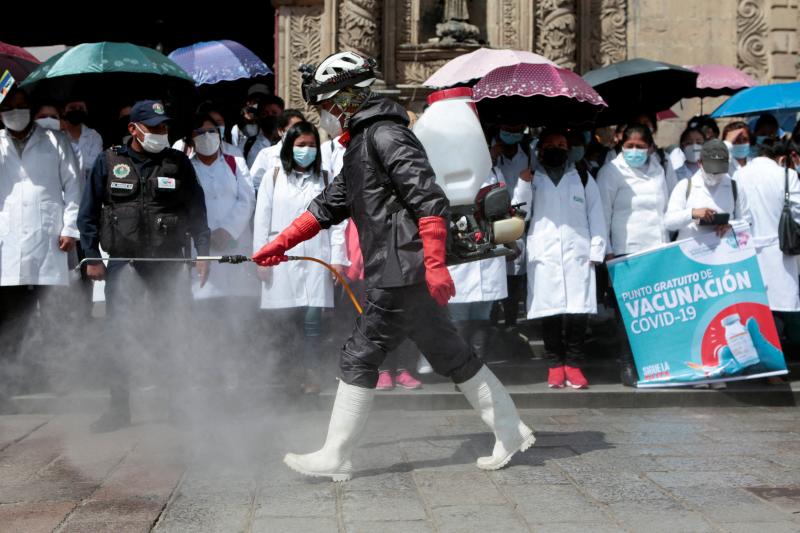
<point>566,239</point>
<point>765,181</point>
<point>39,198</point>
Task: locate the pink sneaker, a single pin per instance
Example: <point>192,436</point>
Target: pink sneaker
<point>575,378</point>
<point>385,381</point>
<point>556,377</point>
<point>407,381</point>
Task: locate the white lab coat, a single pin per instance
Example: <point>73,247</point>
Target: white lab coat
<point>567,233</point>
<point>332,161</point>
<point>294,283</point>
<point>266,160</point>
<point>763,181</point>
<point>511,169</point>
<point>87,148</point>
<point>719,198</point>
<point>39,198</point>
<point>484,280</point>
<point>634,203</point>
<point>230,202</point>
<point>261,143</point>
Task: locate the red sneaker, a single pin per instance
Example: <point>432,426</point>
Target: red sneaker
<point>575,378</point>
<point>407,381</point>
<point>556,377</point>
<point>385,381</point>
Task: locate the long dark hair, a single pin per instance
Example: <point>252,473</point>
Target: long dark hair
<point>287,157</point>
<point>640,130</point>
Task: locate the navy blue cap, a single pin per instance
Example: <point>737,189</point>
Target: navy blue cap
<point>149,113</point>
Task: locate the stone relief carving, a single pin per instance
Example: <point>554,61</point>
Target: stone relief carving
<point>609,32</point>
<point>416,73</point>
<point>556,25</point>
<point>359,26</point>
<point>751,35</point>
<point>305,30</point>
<point>510,20</point>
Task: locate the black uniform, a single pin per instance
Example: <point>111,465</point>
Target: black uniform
<point>386,185</point>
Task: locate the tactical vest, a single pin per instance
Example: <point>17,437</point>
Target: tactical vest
<point>144,216</point>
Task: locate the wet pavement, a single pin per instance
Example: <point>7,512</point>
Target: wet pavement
<point>670,469</point>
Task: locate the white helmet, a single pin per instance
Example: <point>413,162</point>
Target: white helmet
<point>337,71</point>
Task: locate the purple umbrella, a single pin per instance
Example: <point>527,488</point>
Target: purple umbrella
<point>719,80</point>
<point>468,68</point>
<point>540,93</point>
<point>215,61</point>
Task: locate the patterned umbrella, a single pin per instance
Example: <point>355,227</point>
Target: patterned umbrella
<point>18,61</point>
<point>215,61</point>
<point>719,80</point>
<point>542,93</point>
<point>466,69</point>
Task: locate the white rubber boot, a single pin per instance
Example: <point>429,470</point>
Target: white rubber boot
<point>491,399</point>
<point>348,418</point>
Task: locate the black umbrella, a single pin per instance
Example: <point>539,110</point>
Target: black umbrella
<point>639,86</point>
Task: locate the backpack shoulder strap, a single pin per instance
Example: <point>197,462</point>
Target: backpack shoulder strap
<point>275,176</point>
<point>735,188</point>
<point>325,178</point>
<point>394,200</point>
<point>231,162</point>
<point>583,172</point>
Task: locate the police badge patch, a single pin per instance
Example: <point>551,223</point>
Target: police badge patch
<point>158,108</point>
<point>121,170</point>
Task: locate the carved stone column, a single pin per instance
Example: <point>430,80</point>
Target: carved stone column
<point>608,22</point>
<point>556,29</point>
<point>751,37</point>
<point>510,24</point>
<point>784,21</point>
<point>359,27</point>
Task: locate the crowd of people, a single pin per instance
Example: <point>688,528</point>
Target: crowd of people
<point>228,185</point>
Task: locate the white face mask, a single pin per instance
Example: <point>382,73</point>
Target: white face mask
<point>251,130</point>
<point>16,119</point>
<point>712,180</point>
<point>330,123</point>
<point>692,152</point>
<point>153,142</point>
<point>49,123</point>
<point>207,144</point>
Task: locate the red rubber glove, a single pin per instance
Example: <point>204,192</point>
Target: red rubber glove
<point>433,232</point>
<point>301,229</point>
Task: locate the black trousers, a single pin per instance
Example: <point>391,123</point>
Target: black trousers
<point>517,292</point>
<point>392,315</point>
<point>563,337</point>
<point>17,308</point>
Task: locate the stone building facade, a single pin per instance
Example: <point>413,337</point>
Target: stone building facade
<point>759,36</point>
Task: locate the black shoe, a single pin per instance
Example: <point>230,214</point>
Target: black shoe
<point>111,420</point>
<point>627,374</point>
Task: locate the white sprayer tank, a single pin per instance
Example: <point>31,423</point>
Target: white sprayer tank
<point>453,139</point>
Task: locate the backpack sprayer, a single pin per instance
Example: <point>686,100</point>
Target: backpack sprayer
<point>230,259</point>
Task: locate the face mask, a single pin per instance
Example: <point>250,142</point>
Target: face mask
<point>304,156</point>
<point>16,119</point>
<point>692,152</point>
<point>221,130</point>
<point>153,142</point>
<point>755,151</point>
<point>330,123</point>
<point>206,144</point>
<point>510,138</point>
<point>712,180</point>
<point>251,130</point>
<point>576,153</point>
<point>740,151</point>
<point>635,157</point>
<point>761,139</point>
<point>554,157</point>
<point>49,123</point>
<point>75,117</point>
<point>594,165</point>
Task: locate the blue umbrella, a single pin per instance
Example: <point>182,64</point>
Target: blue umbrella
<point>761,99</point>
<point>215,61</point>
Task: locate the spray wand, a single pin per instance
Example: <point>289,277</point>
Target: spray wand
<point>230,259</point>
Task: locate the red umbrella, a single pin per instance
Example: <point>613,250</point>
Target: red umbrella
<point>540,93</point>
<point>18,61</point>
<point>719,80</point>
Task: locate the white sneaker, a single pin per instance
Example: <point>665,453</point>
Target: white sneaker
<point>423,366</point>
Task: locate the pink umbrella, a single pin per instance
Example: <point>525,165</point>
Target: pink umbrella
<point>720,80</point>
<point>542,94</point>
<point>470,67</point>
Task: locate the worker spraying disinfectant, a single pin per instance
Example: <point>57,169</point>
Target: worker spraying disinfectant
<point>403,217</point>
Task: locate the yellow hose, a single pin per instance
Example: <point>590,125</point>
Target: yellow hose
<point>335,273</point>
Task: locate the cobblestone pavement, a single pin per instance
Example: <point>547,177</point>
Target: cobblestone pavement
<point>714,469</point>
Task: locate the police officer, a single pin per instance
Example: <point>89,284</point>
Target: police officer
<point>142,200</point>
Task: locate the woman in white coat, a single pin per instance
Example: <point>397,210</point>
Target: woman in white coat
<point>764,182</point>
<point>691,143</point>
<point>695,201</point>
<point>39,198</point>
<point>566,239</point>
<point>478,285</point>
<point>633,188</point>
<point>300,288</point>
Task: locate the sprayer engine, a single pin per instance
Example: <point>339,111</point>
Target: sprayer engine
<point>480,231</point>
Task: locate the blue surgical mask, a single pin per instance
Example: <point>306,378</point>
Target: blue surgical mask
<point>761,139</point>
<point>511,138</point>
<point>755,151</point>
<point>635,157</point>
<point>576,153</point>
<point>304,156</point>
<point>740,151</point>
